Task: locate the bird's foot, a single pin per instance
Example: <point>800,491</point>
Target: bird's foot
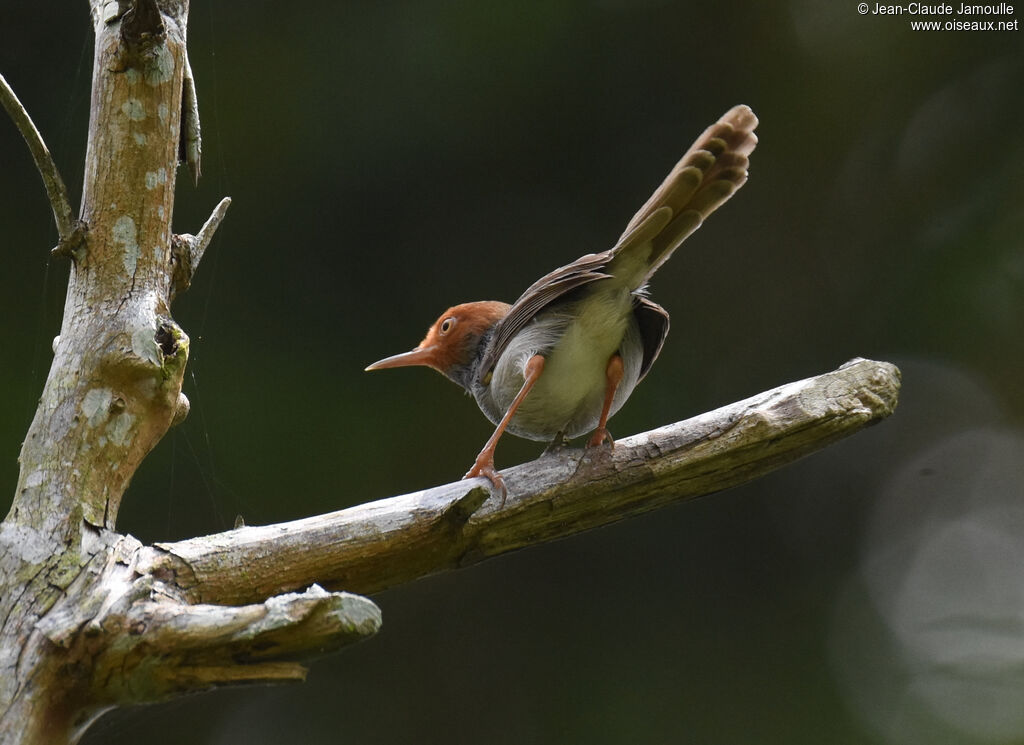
<point>600,437</point>
<point>485,467</point>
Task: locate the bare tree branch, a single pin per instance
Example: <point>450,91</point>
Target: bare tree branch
<point>191,138</point>
<point>57,192</point>
<point>200,647</point>
<point>377,545</point>
<point>187,250</point>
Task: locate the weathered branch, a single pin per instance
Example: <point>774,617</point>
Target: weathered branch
<point>187,250</point>
<point>124,623</point>
<point>135,640</point>
<point>384,543</point>
<point>192,648</point>
<point>191,138</point>
<point>57,192</point>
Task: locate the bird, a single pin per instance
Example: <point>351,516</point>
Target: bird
<point>563,358</point>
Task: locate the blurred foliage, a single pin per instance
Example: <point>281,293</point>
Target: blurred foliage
<point>387,159</point>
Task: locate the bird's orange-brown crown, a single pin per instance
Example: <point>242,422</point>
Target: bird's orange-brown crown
<point>452,339</point>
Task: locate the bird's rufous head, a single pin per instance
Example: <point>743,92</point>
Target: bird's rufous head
<point>451,342</point>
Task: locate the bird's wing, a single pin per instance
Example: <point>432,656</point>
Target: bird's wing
<point>538,296</point>
<point>653,322</point>
<point>555,285</point>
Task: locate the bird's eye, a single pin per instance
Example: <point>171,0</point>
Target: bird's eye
<point>446,325</point>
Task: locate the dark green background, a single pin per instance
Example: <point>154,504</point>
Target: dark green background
<point>389,159</point>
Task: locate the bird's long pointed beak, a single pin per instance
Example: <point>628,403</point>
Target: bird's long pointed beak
<point>417,356</point>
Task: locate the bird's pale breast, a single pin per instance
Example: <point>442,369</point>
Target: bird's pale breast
<point>577,340</point>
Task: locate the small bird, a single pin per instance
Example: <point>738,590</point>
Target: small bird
<point>566,355</point>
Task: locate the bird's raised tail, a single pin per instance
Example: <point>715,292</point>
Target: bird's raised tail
<point>708,174</point>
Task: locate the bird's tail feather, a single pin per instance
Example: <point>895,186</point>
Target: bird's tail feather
<point>708,174</point>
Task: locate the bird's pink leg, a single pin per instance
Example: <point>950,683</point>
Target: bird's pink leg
<point>613,375</point>
<point>484,465</point>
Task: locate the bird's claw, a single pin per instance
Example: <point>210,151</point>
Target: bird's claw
<point>487,470</point>
<point>600,437</point>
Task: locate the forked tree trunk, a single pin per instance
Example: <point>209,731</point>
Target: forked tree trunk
<point>91,619</point>
<point>115,384</point>
<point>74,610</point>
